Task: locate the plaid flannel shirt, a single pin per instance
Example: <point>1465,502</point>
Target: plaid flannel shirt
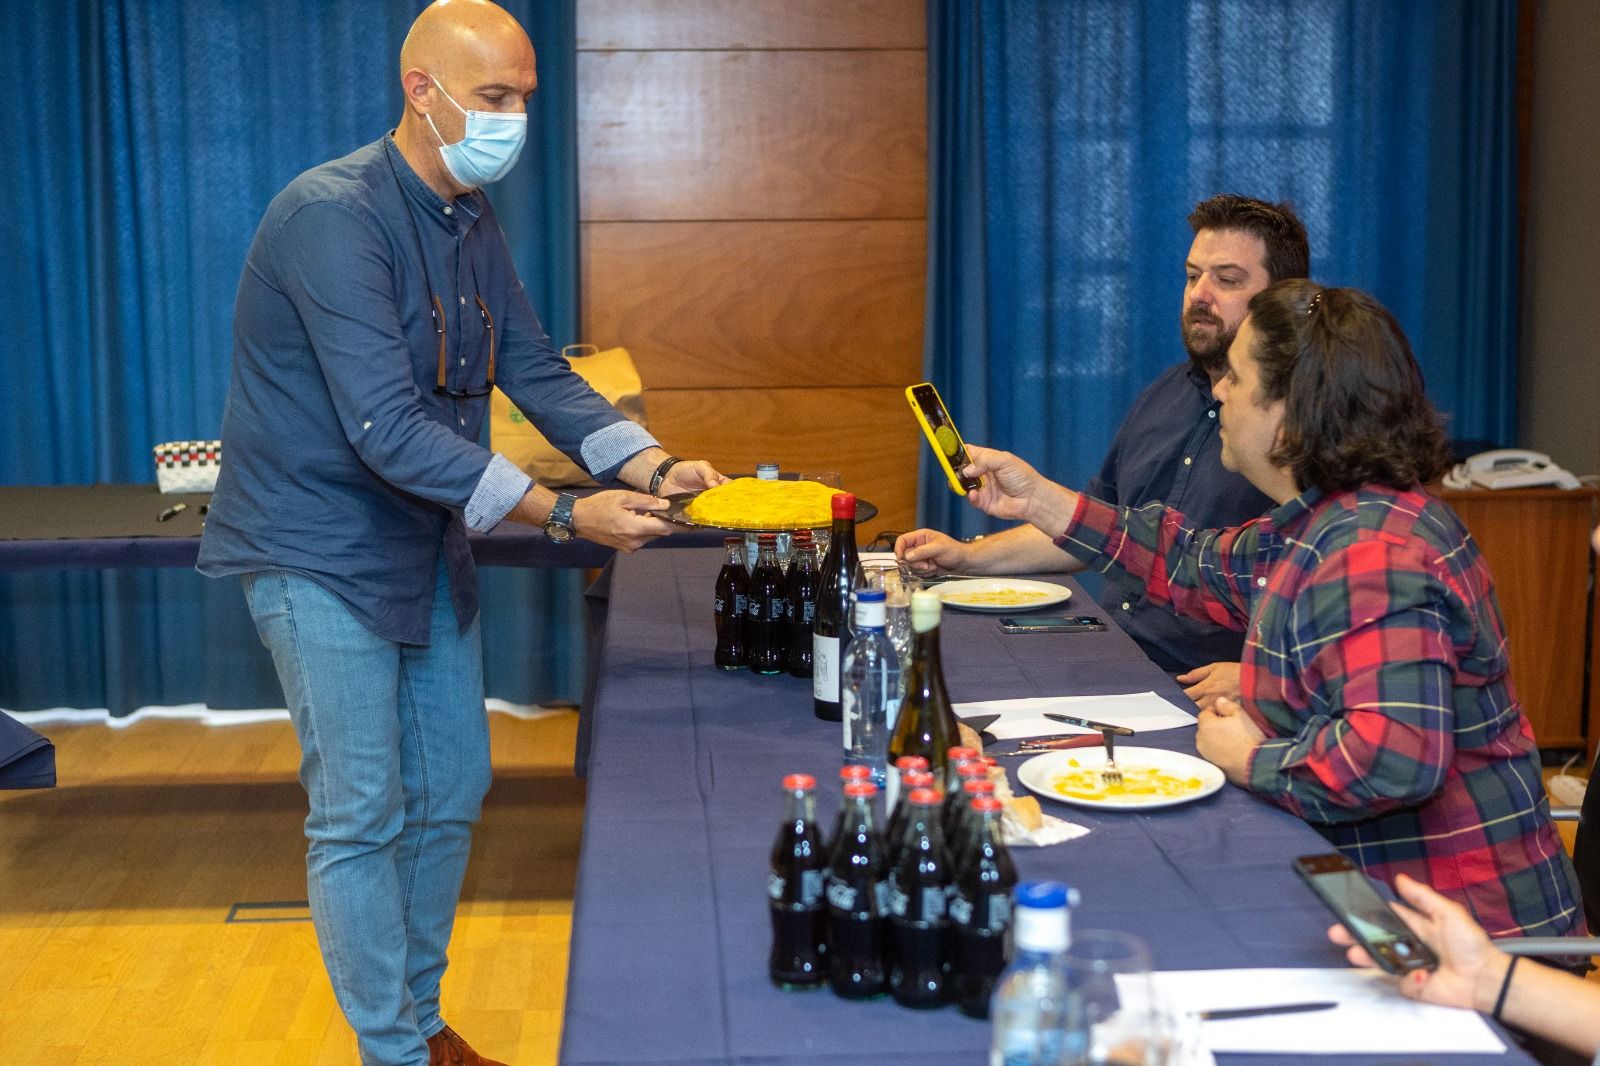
<point>1375,661</point>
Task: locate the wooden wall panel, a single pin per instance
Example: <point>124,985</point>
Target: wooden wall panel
<point>1536,542</point>
<point>868,435</point>
<point>639,24</point>
<point>746,135</point>
<point>723,304</point>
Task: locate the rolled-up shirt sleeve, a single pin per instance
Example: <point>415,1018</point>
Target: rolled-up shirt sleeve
<point>501,486</point>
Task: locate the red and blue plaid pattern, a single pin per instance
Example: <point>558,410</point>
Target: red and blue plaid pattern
<point>1375,661</point>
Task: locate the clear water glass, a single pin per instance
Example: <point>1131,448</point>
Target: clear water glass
<point>1113,1016</point>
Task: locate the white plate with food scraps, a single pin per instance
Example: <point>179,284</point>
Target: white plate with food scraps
<point>1008,594</point>
<point>1151,778</point>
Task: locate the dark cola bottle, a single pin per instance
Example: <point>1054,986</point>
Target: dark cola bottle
<point>800,605</point>
<point>733,587</point>
<point>917,907</point>
<point>764,616</point>
<point>911,779</point>
<point>980,912</point>
<point>960,761</point>
<point>856,877</point>
<point>965,830</point>
<point>795,879</point>
<point>848,775</point>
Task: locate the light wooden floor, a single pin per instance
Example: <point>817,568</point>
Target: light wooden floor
<point>115,888</point>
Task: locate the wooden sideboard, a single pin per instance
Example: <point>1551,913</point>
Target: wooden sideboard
<point>1537,544</point>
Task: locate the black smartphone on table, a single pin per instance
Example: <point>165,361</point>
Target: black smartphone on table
<point>1350,895</point>
<point>1082,623</point>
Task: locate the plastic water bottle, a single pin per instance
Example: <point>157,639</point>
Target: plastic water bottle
<point>871,688</point>
<point>1029,1001</point>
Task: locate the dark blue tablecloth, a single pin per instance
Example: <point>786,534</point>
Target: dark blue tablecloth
<point>670,932</point>
<point>27,760</point>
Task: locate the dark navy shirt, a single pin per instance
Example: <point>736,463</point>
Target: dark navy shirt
<point>339,460</point>
<point>1168,449</point>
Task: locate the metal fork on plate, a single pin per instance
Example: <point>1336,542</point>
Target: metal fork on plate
<point>1110,773</point>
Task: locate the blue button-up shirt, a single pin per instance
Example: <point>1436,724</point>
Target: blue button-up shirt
<point>1168,449</point>
<point>341,463</point>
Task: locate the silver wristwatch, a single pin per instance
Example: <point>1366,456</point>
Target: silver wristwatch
<point>558,527</point>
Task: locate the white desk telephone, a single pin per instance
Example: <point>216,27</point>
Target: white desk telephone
<point>1508,468</point>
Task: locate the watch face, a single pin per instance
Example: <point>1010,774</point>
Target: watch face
<point>557,532</point>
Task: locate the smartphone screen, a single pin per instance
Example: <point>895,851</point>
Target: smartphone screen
<point>1083,623</point>
<point>1350,896</point>
<point>941,433</point>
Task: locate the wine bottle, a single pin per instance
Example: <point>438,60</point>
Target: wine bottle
<point>830,628</point>
<point>927,724</point>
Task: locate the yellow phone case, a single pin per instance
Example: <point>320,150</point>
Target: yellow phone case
<point>946,440</point>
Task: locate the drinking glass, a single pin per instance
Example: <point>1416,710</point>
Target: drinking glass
<point>898,583</point>
<point>829,478</point>
<point>1113,1017</point>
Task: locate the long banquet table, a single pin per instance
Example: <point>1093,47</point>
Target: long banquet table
<point>670,933</point>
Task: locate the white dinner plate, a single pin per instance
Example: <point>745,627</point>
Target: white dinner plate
<point>1141,768</point>
<point>990,594</point>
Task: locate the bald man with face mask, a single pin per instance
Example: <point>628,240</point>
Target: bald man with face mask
<point>377,308</point>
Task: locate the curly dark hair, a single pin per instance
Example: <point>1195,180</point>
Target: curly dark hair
<point>1276,226</point>
<point>1356,411</point>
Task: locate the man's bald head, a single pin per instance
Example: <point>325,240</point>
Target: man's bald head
<point>456,40</point>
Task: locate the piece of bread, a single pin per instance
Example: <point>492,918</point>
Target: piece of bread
<point>969,736</point>
<point>1026,811</point>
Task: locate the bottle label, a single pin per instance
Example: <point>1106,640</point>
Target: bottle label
<point>841,895</point>
<point>825,668</point>
<point>740,604</point>
<point>890,899</point>
<point>811,887</point>
<point>990,912</point>
<point>721,603</point>
<point>776,883</point>
<point>932,903</point>
<point>960,910</point>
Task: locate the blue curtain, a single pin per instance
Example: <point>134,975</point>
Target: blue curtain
<point>1069,141</point>
<point>147,140</point>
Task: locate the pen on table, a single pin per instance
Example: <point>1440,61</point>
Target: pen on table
<point>1115,730</point>
<point>1262,1012</point>
<point>172,512</point>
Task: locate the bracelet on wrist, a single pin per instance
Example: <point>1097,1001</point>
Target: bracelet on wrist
<point>661,473</point>
<point>1505,987</point>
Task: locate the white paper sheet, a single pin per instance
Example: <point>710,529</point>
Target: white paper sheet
<point>1372,1017</point>
<point>1143,712</point>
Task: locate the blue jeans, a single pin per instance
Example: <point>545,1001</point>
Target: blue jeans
<point>394,744</point>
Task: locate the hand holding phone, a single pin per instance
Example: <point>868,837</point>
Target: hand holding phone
<point>940,429</point>
<point>1082,623</point>
<point>1371,921</point>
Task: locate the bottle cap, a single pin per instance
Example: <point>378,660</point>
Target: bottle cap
<point>975,787</point>
<point>803,536</point>
<point>728,542</point>
<point>924,797</point>
<point>767,471</point>
<point>870,610</point>
<point>1043,895</point>
<point>911,762</point>
<point>989,761</point>
<point>987,805</point>
<point>796,782</point>
<point>861,788</point>
<point>915,779</point>
<point>844,505</point>
<point>767,540</point>
<point>855,772</point>
<point>925,608</point>
<point>957,754</point>
<point>973,770</point>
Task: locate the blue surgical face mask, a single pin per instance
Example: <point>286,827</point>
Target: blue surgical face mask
<point>491,147</point>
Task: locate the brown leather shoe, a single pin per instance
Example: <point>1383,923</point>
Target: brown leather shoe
<point>446,1048</point>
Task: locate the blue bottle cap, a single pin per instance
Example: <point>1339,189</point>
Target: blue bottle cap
<point>1045,895</point>
<point>868,595</point>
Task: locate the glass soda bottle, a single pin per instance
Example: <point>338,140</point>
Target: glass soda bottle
<point>732,592</point>
<point>1028,1007</point>
<point>911,779</point>
<point>955,799</point>
<point>980,911</point>
<point>830,628</point>
<point>800,605</point>
<point>764,617</point>
<point>856,876</point>
<point>966,825</point>
<point>917,907</point>
<point>847,775</point>
<point>871,688</point>
<point>795,878</point>
<point>927,724</point>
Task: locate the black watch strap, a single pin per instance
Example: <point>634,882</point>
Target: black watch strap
<point>661,473</point>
